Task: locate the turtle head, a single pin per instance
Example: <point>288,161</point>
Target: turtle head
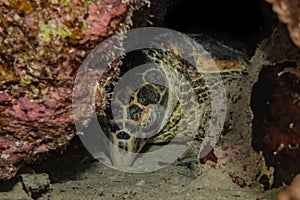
<point>135,123</point>
<point>129,136</point>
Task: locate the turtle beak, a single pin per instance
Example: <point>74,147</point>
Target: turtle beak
<point>120,157</point>
<point>123,152</point>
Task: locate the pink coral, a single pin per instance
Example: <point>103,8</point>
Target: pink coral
<point>102,17</point>
<point>28,110</point>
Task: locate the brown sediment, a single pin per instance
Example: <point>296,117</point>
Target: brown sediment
<point>209,157</point>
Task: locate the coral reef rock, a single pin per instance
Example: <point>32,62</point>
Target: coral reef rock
<point>292,192</point>
<point>42,45</point>
<point>288,11</point>
<point>276,124</point>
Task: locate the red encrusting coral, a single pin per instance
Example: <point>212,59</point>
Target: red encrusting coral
<point>104,16</point>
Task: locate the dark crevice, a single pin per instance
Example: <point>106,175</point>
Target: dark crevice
<point>239,24</point>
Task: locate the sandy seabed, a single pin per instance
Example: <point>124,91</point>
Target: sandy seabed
<point>76,175</point>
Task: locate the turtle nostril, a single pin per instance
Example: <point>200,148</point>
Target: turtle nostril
<point>123,135</point>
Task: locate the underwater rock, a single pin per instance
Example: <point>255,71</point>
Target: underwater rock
<point>293,191</point>
<point>36,184</point>
<point>275,103</point>
<point>42,45</point>
<point>288,12</point>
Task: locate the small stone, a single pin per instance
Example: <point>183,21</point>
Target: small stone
<point>175,180</point>
<point>36,184</point>
<point>140,183</point>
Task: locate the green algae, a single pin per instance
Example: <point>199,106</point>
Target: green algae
<point>52,29</point>
<point>60,1</point>
<point>26,80</point>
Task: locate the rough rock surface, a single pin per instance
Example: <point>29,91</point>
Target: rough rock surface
<point>42,44</point>
<point>274,105</point>
<point>276,130</point>
<point>292,192</point>
<point>288,12</point>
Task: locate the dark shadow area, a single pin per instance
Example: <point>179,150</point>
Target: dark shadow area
<point>6,186</point>
<point>239,24</point>
<point>63,165</point>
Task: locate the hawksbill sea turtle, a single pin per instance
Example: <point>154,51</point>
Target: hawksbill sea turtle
<point>159,96</point>
<point>169,100</point>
